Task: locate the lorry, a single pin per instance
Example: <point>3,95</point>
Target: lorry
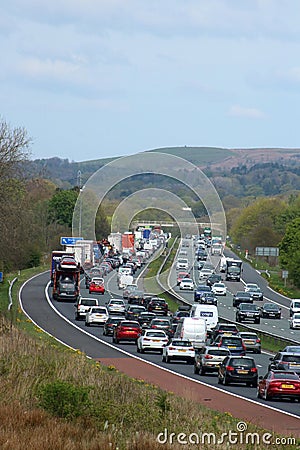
<point>66,279</point>
<point>233,271</point>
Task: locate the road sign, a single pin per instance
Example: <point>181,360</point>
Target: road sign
<point>69,240</point>
<point>1,277</point>
<point>267,251</point>
<point>285,274</point>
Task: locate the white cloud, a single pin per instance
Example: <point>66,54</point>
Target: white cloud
<point>241,111</point>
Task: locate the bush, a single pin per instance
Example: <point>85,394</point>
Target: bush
<point>63,399</point>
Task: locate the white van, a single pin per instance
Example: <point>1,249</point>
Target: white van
<point>194,329</point>
<point>124,280</point>
<point>207,312</point>
<point>295,306</point>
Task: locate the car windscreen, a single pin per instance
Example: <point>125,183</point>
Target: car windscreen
<point>232,341</point>
<point>249,307</point>
<point>155,334</point>
<point>237,362</point>
<point>130,324</point>
<point>291,358</point>
<point>285,376</point>
<point>98,310</point>
<point>88,302</point>
<point>218,352</point>
<point>181,343</point>
<point>249,336</point>
<point>270,306</point>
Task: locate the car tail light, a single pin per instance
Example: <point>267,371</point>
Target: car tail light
<point>253,370</point>
<point>191,349</point>
<point>172,348</point>
<point>219,345</point>
<point>243,345</point>
<point>258,341</point>
<point>154,326</point>
<point>229,368</point>
<point>208,357</point>
<point>147,339</point>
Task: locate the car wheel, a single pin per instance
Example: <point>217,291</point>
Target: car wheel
<point>142,350</point>
<point>266,396</point>
<point>258,394</point>
<point>117,341</point>
<point>87,324</point>
<point>163,358</point>
<point>168,359</point>
<point>226,381</point>
<point>196,369</point>
<point>259,351</point>
<point>202,370</point>
<point>220,381</point>
<point>138,349</point>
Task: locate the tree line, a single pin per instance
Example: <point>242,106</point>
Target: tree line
<point>35,211</point>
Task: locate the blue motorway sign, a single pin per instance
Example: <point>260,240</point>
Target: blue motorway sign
<point>1,277</point>
<point>69,240</point>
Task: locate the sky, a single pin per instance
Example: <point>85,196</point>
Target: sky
<point>90,79</point>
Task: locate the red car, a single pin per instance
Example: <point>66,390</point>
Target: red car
<point>182,275</point>
<point>127,330</point>
<point>96,288</point>
<point>280,384</point>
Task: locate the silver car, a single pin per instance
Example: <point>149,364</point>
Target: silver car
<point>209,359</point>
<point>251,341</point>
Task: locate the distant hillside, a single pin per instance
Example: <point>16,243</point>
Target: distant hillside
<point>237,172</point>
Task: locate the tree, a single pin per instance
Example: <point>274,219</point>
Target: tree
<point>290,251</point>
<point>61,206</point>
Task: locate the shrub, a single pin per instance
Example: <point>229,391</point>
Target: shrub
<point>63,399</point>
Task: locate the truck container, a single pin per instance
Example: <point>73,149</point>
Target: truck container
<point>128,241</point>
<point>115,240</point>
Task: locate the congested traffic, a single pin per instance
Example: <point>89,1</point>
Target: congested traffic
<point>193,334</point>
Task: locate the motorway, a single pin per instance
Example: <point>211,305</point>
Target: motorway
<point>57,318</point>
<point>279,327</point>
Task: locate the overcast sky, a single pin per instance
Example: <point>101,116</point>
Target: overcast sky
<point>98,78</point>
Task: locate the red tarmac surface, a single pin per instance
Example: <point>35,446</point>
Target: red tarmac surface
<point>268,419</point>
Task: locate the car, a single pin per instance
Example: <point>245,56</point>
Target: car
<point>250,286</point>
<point>160,324</point>
<point>251,341</point>
<point>158,306</point>
<point>247,313</point>
<point>241,297</point>
<point>226,329</point>
<point>270,310</point>
<point>185,244</point>
<point>152,340</point>
<point>133,311</point>
<point>279,384</point>
<point>182,263</point>
<point>295,306</point>
<point>186,284</point>
<point>116,306</point>
<point>200,265</point>
<point>178,315</point>
<point>82,305</point>
<point>209,359</point>
<point>234,344</point>
<point>201,254</point>
<point>285,361</point>
<point>255,292</point>
<point>182,253</point>
<point>110,324</point>
<point>145,317</point>
<point>295,321</point>
<point>179,349</point>
<point>219,289</point>
<point>96,288</point>
<point>292,349</point>
<point>205,273</point>
<point>207,298</point>
<point>238,369</point>
<point>128,289</point>
<point>214,278</point>
<point>181,276</point>
<point>136,297</point>
<point>199,290</point>
<point>97,315</point>
<point>127,330</point>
